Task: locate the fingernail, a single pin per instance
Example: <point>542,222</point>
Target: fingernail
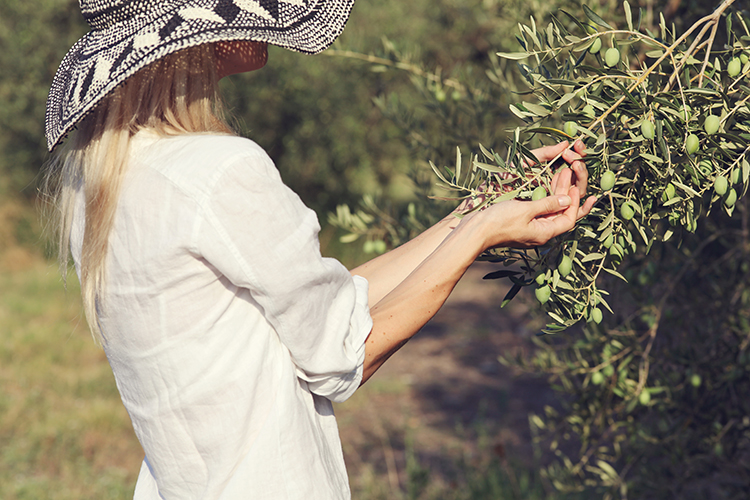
<point>564,201</point>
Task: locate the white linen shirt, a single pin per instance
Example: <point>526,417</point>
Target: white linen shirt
<point>227,332</point>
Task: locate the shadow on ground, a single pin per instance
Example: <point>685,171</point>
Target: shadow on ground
<point>445,398</point>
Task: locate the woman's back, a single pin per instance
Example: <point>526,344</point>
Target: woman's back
<point>193,339</point>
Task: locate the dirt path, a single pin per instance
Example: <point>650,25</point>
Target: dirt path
<point>445,394</point>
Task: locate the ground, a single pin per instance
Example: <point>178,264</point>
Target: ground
<point>445,396</point>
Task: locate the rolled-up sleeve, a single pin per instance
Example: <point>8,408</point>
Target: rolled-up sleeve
<point>258,234</point>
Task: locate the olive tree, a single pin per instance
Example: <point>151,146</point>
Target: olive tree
<point>648,294</point>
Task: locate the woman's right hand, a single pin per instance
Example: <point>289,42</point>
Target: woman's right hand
<point>526,224</point>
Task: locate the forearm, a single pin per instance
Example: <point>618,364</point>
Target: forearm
<point>425,271</point>
<point>385,272</point>
<point>416,299</point>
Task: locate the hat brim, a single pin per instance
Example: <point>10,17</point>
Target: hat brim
<point>103,59</point>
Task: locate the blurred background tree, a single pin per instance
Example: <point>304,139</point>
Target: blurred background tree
<point>33,38</point>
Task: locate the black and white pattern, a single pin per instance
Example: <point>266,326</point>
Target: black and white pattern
<point>127,35</point>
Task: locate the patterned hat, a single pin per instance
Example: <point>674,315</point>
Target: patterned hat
<point>127,35</point>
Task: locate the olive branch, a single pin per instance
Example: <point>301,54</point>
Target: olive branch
<point>667,122</point>
<point>661,159</point>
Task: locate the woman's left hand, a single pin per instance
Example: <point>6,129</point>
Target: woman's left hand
<point>525,224</point>
<point>574,175</point>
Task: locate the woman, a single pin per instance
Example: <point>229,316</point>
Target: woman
<point>228,334</point>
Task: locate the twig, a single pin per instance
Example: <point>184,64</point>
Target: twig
<point>411,68</point>
<point>644,368</point>
<point>708,51</point>
<point>716,14</point>
<point>690,50</point>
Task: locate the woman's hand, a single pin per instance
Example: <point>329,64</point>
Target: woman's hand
<point>576,169</point>
<point>574,159</point>
<point>525,224</point>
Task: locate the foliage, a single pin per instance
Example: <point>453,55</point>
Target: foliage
<point>639,117</point>
<point>645,410</point>
<point>652,403</point>
<point>654,395</point>
<point>34,36</point>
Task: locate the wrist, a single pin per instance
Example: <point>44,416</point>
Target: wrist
<point>474,231</point>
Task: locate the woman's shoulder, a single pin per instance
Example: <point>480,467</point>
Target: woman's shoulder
<point>201,147</point>
<point>222,144</point>
<point>195,162</point>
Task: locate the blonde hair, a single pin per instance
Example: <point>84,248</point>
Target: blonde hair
<point>175,95</point>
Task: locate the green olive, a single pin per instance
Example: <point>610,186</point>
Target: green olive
<point>644,397</point>
<point>627,211</point>
<point>647,129</point>
<point>734,67</point>
<point>744,58</point>
<point>696,380</point>
<point>539,193</point>
<point>542,294</point>
<point>607,181</point>
<point>570,128</point>
<point>597,378</point>
<point>692,143</point>
<point>440,95</point>
<point>612,57</point>
<point>608,370</point>
<point>711,125</point>
<point>736,176</point>
<point>589,111</point>
<point>596,46</point>
<point>379,246</point>
<point>541,279</point>
<point>596,315</point>
<point>616,252</point>
<point>731,198</point>
<point>565,266</point>
<point>668,193</point>
<point>608,241</point>
<point>720,185</point>
<point>706,166</point>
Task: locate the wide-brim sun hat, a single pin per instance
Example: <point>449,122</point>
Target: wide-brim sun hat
<point>127,35</point>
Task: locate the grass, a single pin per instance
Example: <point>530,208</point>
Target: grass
<point>64,433</point>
